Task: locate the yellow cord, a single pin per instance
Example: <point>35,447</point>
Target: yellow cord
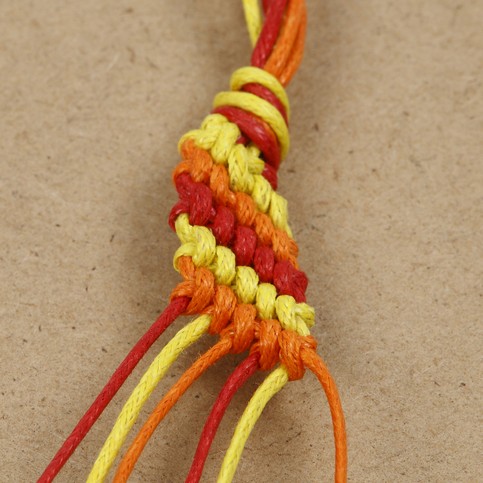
<point>292,316</point>
<point>261,108</point>
<point>130,412</point>
<point>253,19</point>
<point>246,75</point>
<point>269,387</point>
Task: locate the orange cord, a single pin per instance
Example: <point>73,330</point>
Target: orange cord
<point>297,53</point>
<point>209,358</point>
<point>288,51</point>
<point>313,362</point>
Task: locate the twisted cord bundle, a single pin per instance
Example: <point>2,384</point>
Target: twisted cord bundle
<point>238,260</point>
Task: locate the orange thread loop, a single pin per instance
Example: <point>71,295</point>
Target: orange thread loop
<point>268,345</point>
<point>242,328</point>
<point>224,303</point>
<point>199,285</point>
<point>291,345</point>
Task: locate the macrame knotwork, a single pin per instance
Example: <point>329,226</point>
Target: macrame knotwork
<point>238,261</point>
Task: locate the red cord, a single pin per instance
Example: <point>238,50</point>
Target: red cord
<point>238,377</point>
<point>252,127</point>
<point>269,33</point>
<point>171,313</point>
<point>265,5</point>
<point>256,130</point>
<point>264,93</point>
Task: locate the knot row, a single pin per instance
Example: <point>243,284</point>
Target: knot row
<point>220,301</point>
<point>245,326</point>
<point>199,242</point>
<point>246,280</point>
<point>240,176</point>
<point>204,208</point>
<point>267,337</point>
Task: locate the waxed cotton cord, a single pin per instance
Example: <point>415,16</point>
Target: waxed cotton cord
<point>263,113</point>
<point>174,309</point>
<point>238,260</point>
<point>240,375</point>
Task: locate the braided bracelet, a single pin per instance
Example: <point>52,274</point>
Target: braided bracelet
<point>238,261</point>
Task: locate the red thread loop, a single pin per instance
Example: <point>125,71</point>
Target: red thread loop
<point>256,130</point>
<point>268,95</point>
<point>290,281</point>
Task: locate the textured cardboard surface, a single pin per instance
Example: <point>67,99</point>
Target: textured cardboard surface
<point>385,189</point>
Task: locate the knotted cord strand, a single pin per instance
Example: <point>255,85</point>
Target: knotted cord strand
<point>183,339</point>
<point>170,399</point>
<point>250,104</point>
<point>313,362</point>
<point>171,313</point>
<point>237,379</point>
<point>230,219</point>
<point>269,387</point>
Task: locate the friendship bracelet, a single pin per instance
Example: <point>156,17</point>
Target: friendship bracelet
<point>238,260</point>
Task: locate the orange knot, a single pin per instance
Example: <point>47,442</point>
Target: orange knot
<point>242,329</point>
<point>196,161</point>
<point>224,303</point>
<point>291,345</point>
<point>199,285</point>
<point>268,345</point>
<point>285,248</point>
<point>220,186</point>
<point>245,209</point>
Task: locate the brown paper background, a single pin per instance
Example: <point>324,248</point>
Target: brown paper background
<point>385,188</point>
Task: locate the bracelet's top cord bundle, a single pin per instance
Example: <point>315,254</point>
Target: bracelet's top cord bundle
<point>238,260</point>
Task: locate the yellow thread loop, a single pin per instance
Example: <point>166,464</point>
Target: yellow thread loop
<point>216,135</point>
<point>292,316</point>
<point>198,243</point>
<point>246,284</point>
<point>266,296</point>
<point>224,266</point>
<point>238,169</point>
<point>246,75</point>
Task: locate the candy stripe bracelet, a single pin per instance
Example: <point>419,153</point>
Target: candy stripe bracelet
<point>238,261</point>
